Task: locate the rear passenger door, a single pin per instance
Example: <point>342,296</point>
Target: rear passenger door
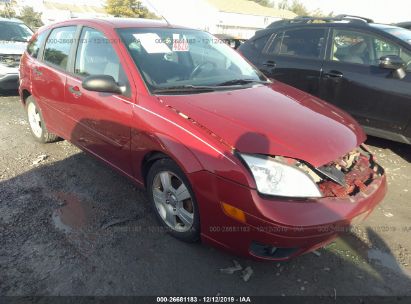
<point>295,57</point>
<point>102,120</point>
<point>49,75</point>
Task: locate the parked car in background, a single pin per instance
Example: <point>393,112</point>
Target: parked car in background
<point>360,66</point>
<point>231,41</point>
<point>14,35</point>
<point>406,25</point>
<point>254,167</point>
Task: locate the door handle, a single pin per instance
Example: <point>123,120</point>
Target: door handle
<point>75,91</point>
<point>269,64</point>
<point>334,74</point>
<point>37,72</point>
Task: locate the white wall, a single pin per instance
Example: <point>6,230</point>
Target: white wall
<point>190,13</point>
<point>202,15</point>
<point>241,25</point>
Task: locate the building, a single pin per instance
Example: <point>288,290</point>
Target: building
<point>240,18</point>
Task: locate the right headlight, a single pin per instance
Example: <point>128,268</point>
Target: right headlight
<point>274,177</point>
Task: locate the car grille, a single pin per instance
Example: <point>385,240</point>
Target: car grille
<point>10,61</point>
<point>349,175</point>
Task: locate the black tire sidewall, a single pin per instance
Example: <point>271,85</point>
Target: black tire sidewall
<point>193,235</point>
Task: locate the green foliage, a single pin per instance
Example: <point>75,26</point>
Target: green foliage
<point>8,10</point>
<point>267,3</point>
<point>30,17</point>
<point>297,7</point>
<point>128,9</point>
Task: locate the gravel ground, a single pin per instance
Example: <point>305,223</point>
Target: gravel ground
<point>71,226</point>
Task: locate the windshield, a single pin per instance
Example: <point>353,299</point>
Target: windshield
<point>175,58</point>
<point>401,33</point>
<point>13,31</point>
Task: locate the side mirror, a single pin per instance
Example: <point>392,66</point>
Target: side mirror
<point>394,63</point>
<point>391,62</point>
<point>102,83</point>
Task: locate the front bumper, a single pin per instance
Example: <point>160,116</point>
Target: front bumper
<point>9,82</point>
<point>293,227</point>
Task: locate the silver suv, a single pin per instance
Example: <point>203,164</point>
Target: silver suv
<point>14,35</point>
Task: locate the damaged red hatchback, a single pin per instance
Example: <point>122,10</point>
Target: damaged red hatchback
<point>227,156</point>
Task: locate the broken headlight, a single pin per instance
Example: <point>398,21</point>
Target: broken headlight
<point>281,177</point>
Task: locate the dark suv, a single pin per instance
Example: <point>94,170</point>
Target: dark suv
<point>352,62</point>
<point>406,25</point>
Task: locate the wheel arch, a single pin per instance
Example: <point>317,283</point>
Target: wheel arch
<point>24,95</point>
<point>166,147</point>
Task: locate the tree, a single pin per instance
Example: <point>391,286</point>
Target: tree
<point>30,17</point>
<point>266,3</point>
<point>299,8</point>
<point>8,11</point>
<point>129,9</point>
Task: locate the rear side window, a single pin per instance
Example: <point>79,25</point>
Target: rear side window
<point>260,43</point>
<point>34,46</point>
<point>306,43</point>
<point>58,46</point>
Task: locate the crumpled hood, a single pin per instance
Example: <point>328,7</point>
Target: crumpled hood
<point>12,47</point>
<point>273,120</point>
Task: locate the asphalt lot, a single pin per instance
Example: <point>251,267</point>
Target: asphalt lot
<point>71,226</point>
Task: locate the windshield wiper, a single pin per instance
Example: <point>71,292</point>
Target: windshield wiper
<point>241,81</point>
<point>186,88</point>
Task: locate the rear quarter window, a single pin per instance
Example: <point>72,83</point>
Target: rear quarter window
<point>34,46</point>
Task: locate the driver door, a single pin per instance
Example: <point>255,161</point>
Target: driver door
<point>353,80</point>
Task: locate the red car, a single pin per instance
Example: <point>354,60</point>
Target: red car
<point>227,156</point>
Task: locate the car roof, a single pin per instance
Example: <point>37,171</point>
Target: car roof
<point>406,23</point>
<point>384,26</point>
<point>14,20</point>
<point>121,22</point>
<point>338,21</point>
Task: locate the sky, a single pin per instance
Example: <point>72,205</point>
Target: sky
<point>387,11</point>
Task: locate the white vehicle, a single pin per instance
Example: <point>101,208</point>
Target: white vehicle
<point>14,35</point>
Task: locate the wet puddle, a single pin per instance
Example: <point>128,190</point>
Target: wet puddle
<point>73,215</point>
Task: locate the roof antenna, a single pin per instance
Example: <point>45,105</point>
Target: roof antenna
<point>157,11</point>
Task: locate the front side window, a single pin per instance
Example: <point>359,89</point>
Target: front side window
<point>366,49</point>
<point>96,56</point>
<point>352,47</point>
<point>58,46</point>
<point>178,57</point>
<point>306,43</point>
<point>13,31</point>
<point>33,47</point>
<point>384,48</point>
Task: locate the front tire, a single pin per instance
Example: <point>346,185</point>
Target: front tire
<point>36,122</point>
<point>173,200</point>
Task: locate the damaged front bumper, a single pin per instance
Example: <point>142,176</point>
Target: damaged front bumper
<point>281,228</point>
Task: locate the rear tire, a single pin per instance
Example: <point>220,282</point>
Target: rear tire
<point>36,122</point>
<point>173,200</point>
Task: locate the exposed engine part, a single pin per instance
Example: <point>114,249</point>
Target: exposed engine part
<point>349,175</point>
